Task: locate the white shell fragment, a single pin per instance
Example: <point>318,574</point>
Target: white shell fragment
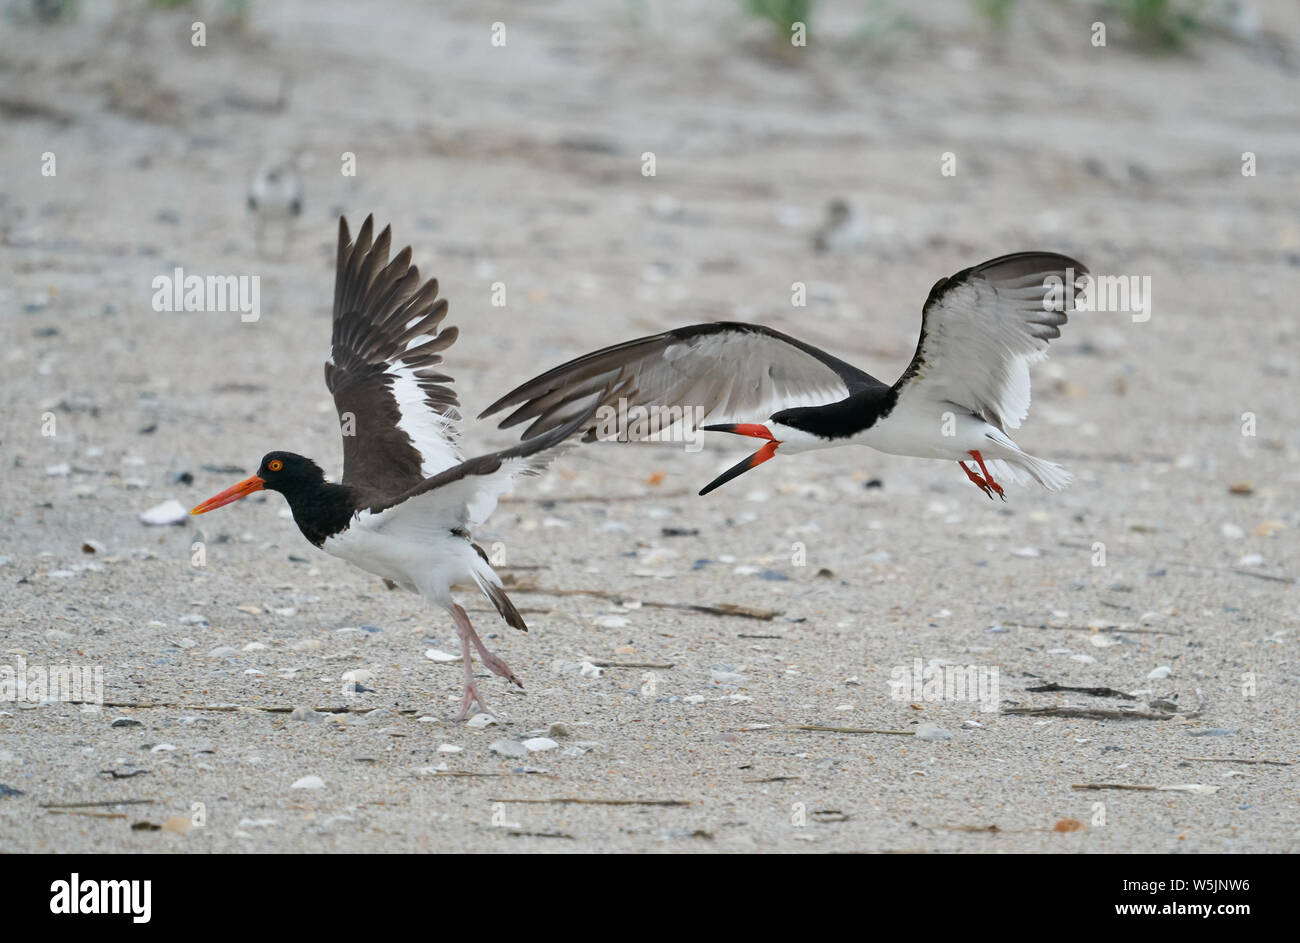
<point>508,748</point>
<point>169,512</point>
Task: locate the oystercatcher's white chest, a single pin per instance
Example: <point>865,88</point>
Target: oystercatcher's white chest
<point>430,562</point>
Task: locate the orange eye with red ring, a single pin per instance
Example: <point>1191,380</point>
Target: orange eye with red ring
<point>275,464</point>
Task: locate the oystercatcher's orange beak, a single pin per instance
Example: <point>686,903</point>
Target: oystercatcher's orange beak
<point>231,495</point>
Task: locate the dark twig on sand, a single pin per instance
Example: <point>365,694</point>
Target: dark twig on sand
<point>578,800</point>
<point>633,664</point>
<point>720,609</point>
<point>91,805</point>
<point>1097,713</point>
<point>1094,692</point>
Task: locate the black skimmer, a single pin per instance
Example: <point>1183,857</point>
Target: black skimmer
<point>409,501</point>
<point>967,384</point>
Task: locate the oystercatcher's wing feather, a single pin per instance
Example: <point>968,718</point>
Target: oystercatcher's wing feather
<point>465,495</point>
<point>983,327</point>
<point>725,370</point>
<point>397,413</point>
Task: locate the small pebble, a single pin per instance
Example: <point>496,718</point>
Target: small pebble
<point>1156,674</point>
<point>309,782</point>
<point>538,744</point>
<point>932,733</point>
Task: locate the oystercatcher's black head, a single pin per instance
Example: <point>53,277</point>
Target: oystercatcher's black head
<point>320,508</point>
<point>285,472</point>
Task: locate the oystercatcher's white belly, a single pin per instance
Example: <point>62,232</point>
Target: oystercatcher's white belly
<point>427,562</point>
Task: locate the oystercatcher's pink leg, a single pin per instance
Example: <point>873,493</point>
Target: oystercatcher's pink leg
<point>472,696</point>
<point>987,477</point>
<point>469,637</point>
<point>983,485</point>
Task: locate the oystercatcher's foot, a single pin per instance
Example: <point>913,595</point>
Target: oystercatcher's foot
<point>471,698</point>
<point>983,485</point>
<point>468,638</point>
<point>490,659</point>
<point>988,479</point>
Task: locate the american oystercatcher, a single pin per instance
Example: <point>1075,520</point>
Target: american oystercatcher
<point>409,500</point>
<point>967,384</point>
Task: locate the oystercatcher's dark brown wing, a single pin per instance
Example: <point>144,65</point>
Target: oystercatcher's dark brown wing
<point>724,370</point>
<point>397,413</point>
<point>983,327</point>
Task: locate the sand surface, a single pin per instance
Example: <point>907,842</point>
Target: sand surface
<point>522,165</point>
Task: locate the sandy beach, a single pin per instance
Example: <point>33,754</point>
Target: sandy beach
<point>744,672</point>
